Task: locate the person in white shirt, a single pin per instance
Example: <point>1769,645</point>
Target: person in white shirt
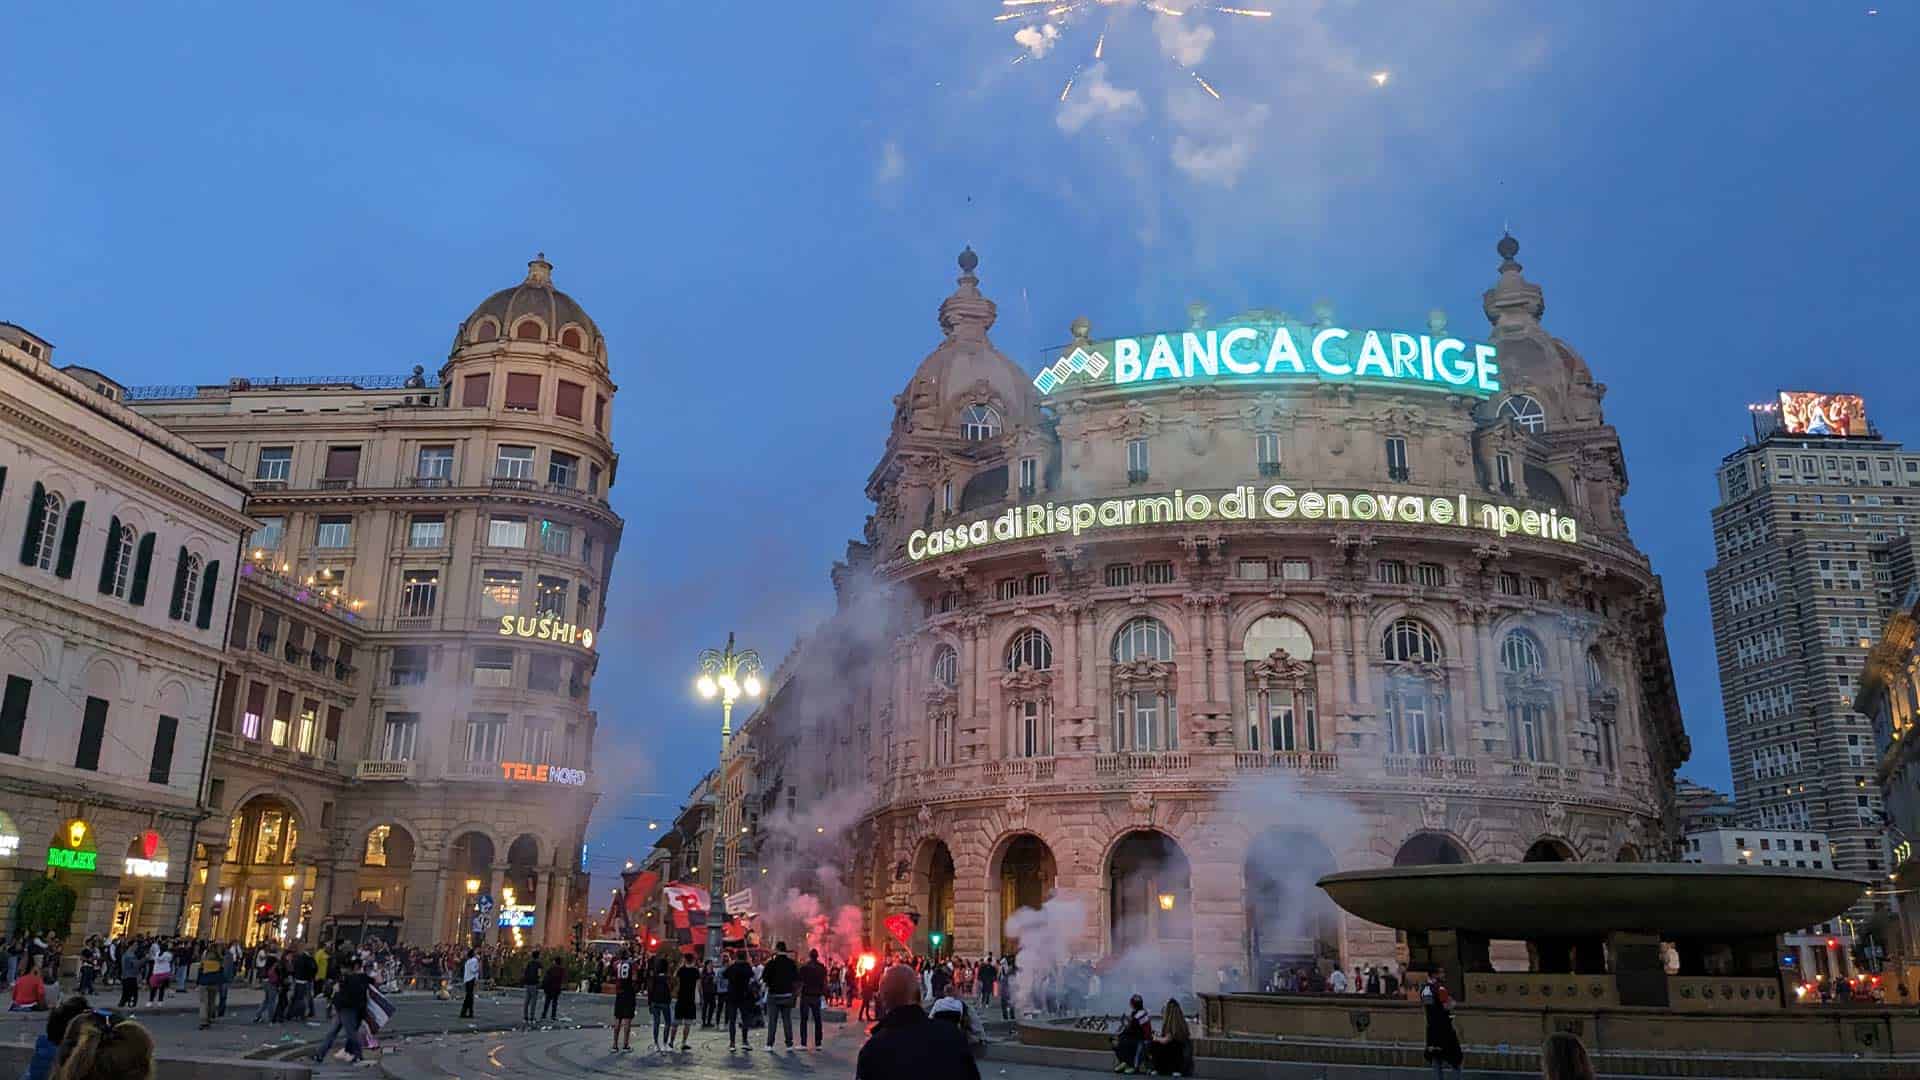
<point>1337,982</point>
<point>470,980</point>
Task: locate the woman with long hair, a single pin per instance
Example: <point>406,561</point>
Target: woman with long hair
<point>1564,1057</point>
<point>1172,1048</point>
<point>99,1046</point>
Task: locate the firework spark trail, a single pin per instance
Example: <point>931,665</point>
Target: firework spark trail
<point>1068,89</point>
<point>1024,9</point>
<point>1205,85</point>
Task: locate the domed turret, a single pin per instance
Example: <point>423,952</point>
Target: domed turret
<point>532,311</point>
<point>966,370</point>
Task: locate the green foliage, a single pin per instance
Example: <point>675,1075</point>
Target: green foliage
<point>44,906</point>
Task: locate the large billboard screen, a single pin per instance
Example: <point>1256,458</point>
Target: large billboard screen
<point>1803,412</point>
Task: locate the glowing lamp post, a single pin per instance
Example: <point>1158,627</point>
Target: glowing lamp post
<point>729,676</point>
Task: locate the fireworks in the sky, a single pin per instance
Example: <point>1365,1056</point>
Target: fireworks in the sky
<point>1049,21</point>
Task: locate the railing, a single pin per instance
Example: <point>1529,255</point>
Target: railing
<point>429,481</point>
<point>263,642</point>
<point>319,661</point>
<point>1540,772</point>
<point>1019,770</point>
<point>1136,476</point>
<point>269,485</point>
<point>1133,764</point>
<point>384,770</point>
<point>1269,468</point>
<point>356,382</point>
<point>1431,766</point>
<point>513,483</point>
<point>1290,760</point>
<point>334,483</point>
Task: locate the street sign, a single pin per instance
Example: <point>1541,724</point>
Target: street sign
<point>483,903</point>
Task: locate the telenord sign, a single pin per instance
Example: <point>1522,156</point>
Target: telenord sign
<point>1279,350</point>
<point>542,774</point>
<point>1278,502</point>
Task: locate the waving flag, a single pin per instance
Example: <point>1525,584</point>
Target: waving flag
<point>900,924</point>
<point>639,888</point>
<point>684,897</point>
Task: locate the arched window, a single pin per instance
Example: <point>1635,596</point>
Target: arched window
<point>190,584</point>
<point>123,560</point>
<point>946,667</point>
<point>1144,638</point>
<point>979,423</point>
<point>1030,651</point>
<point>1280,686</point>
<point>1529,700</point>
<point>53,510</point>
<point>1596,670</point>
<point>1410,641</point>
<point>1416,690</point>
<point>1143,710</point>
<point>1525,411</point>
<point>527,330</point>
<point>487,330</point>
<point>376,854</point>
<point>570,337</point>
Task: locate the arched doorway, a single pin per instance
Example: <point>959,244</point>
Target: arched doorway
<point>1024,874</point>
<point>1291,923</point>
<point>1150,894</point>
<point>470,860</point>
<point>520,889</point>
<point>1547,849</point>
<point>143,886</point>
<point>1627,853</point>
<point>262,893</point>
<point>1430,849</point>
<point>380,897</point>
<point>938,915</point>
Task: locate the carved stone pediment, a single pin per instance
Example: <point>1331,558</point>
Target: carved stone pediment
<point>940,699</point>
<point>1024,683</point>
<point>1143,673</point>
<point>1136,419</point>
<point>1415,671</point>
<point>1280,669</point>
<point>1526,684</point>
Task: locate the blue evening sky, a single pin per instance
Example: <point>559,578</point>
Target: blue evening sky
<point>760,203</point>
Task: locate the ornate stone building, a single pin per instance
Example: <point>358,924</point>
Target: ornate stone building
<point>1093,676</point>
<point>404,721</point>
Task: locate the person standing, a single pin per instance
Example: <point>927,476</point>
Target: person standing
<point>212,978</point>
<point>984,980</point>
<point>1337,982</point>
<point>737,979</point>
<point>1008,973</point>
<point>813,988</point>
<point>1564,1057</point>
<point>686,981</point>
<point>162,973</point>
<point>781,978</point>
<point>349,1010</point>
<point>906,1044</point>
<point>554,982</point>
<point>469,982</point>
<point>1443,1042</point>
<point>626,994</point>
<point>530,983</point>
<point>709,995</point>
<point>660,1004</point>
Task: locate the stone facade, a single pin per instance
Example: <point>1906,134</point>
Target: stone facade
<point>1082,716</point>
<point>118,544</point>
<point>406,709</point>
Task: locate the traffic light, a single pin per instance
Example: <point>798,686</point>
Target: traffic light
<point>936,937</point>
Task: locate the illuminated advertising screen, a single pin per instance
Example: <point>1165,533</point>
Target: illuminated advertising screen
<point>1803,412</point>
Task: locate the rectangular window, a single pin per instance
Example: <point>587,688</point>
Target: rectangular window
<point>419,592</point>
<point>343,463</point>
<point>1157,572</point>
<point>1431,575</point>
<point>1006,589</point>
<point>330,741</point>
<point>492,667</point>
<point>1039,584</point>
<point>569,399</point>
<point>593,479</point>
<point>523,391</point>
<point>309,726</point>
<point>1390,572</point>
<point>334,532</point>
<point>1509,584</point>
<point>563,470</point>
<point>550,596</point>
<point>1397,458</point>
<point>270,534</point>
<point>507,532</point>
<point>499,593</point>
<point>256,713</point>
<point>1029,475</point>
<point>402,736</point>
<point>434,466</point>
<point>161,771</point>
<point>282,728</point>
<point>555,538</point>
<point>1137,463</point>
<point>409,666</point>
<point>474,391</point>
<point>93,732</point>
<point>543,673</point>
<point>513,463</point>
<point>599,412</point>
<point>13,713</point>
<point>427,531</point>
<point>1119,575</point>
<point>1296,570</point>
<point>536,744</point>
<point>484,733</point>
<point>275,465</point>
<point>1266,452</point>
<point>1252,569</point>
<point>1503,471</point>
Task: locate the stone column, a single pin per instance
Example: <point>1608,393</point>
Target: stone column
<point>560,903</point>
<point>1091,705</point>
<point>542,892</point>
<point>427,901</point>
<point>1573,699</point>
<point>322,899</point>
<point>494,888</point>
<point>1067,677</point>
<point>1223,652</point>
<point>968,690</point>
<point>1341,659</point>
<point>210,891</point>
<point>1196,693</point>
<point>1362,648</point>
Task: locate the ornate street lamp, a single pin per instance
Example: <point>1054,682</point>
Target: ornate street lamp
<point>729,676</point>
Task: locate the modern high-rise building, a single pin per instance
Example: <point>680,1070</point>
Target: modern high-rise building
<point>1812,534</point>
<point>403,725</point>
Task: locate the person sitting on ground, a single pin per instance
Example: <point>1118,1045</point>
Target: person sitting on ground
<point>905,1044</point>
<point>1136,1030</point>
<point>29,992</point>
<point>104,1048</point>
<point>1171,1051</point>
<point>1564,1057</point>
<point>46,1047</point>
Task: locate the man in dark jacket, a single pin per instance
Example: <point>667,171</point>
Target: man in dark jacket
<point>782,978</point>
<point>530,983</point>
<point>813,989</point>
<point>736,981</point>
<point>906,1044</point>
<point>349,1008</point>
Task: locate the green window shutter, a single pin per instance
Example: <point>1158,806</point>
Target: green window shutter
<point>93,732</point>
<point>13,713</point>
<point>70,538</point>
<point>111,560</point>
<point>178,608</point>
<point>142,568</point>
<point>161,771</point>
<point>36,524</point>
<point>208,582</point>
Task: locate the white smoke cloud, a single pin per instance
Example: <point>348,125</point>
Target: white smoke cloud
<point>1037,40</point>
<point>893,163</point>
<point>1183,40</point>
<point>1215,141</point>
<point>1093,97</point>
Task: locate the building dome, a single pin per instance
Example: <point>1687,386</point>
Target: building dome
<point>966,369</point>
<point>532,311</point>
